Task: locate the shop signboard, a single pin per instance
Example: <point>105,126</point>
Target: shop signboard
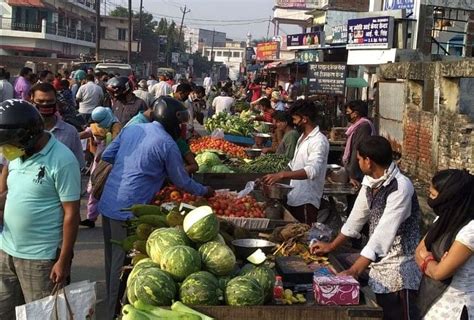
<point>370,33</point>
<point>398,4</point>
<point>268,51</point>
<point>298,4</point>
<point>308,56</point>
<point>339,34</point>
<point>305,40</point>
<point>326,78</point>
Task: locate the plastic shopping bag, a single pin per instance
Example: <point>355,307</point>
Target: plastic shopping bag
<point>75,301</point>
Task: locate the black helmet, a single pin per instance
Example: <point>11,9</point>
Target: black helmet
<point>119,86</point>
<point>170,113</point>
<point>20,124</point>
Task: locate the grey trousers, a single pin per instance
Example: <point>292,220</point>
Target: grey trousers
<point>114,261</point>
<point>22,281</point>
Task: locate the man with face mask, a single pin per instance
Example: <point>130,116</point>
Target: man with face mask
<point>359,129</point>
<point>41,214</point>
<point>125,104</point>
<point>43,96</point>
<point>155,157</point>
<point>387,201</point>
<point>308,166</point>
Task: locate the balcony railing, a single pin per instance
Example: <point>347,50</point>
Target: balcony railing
<point>47,28</point>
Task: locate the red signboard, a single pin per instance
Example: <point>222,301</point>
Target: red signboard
<point>267,51</point>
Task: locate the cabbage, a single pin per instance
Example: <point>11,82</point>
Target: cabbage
<point>208,159</point>
<point>220,168</point>
<point>204,168</point>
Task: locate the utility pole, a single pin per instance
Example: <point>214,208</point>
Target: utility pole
<point>97,30</point>
<point>268,27</point>
<point>184,11</point>
<point>139,44</point>
<point>212,50</point>
<point>130,33</point>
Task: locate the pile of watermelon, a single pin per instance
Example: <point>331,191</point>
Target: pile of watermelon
<point>191,263</point>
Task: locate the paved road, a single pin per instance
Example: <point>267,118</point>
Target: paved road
<point>88,263</point>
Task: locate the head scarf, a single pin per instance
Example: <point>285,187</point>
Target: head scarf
<point>454,207</point>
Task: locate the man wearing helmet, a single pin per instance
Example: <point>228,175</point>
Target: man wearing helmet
<point>41,214</point>
<point>125,104</point>
<point>143,155</point>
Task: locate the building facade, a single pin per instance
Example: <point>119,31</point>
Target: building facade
<point>232,55</point>
<point>47,28</point>
<point>114,36</point>
<point>197,38</point>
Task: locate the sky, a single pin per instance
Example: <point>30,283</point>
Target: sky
<point>235,17</point>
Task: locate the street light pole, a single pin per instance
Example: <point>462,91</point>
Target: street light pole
<point>130,35</point>
<point>97,30</point>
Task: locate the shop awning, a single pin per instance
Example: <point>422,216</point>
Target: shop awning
<point>31,3</point>
<point>356,83</point>
<point>272,65</point>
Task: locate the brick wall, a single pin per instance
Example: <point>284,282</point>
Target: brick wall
<point>417,143</point>
<point>456,141</point>
<point>353,5</point>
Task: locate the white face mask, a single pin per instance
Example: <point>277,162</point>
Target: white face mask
<point>376,183</point>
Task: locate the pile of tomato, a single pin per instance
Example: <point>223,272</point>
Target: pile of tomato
<point>230,206</point>
<point>173,194</point>
<point>208,143</point>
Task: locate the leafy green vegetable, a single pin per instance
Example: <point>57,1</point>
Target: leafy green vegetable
<point>208,159</point>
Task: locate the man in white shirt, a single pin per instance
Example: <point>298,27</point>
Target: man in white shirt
<point>151,81</point>
<point>89,97</point>
<point>6,88</point>
<point>308,166</point>
<point>207,83</point>
<point>387,201</point>
<point>142,93</point>
<point>223,103</point>
<point>162,88</point>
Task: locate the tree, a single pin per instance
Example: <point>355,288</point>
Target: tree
<point>119,12</point>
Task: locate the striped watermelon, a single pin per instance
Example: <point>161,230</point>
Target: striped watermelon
<point>265,277</point>
<point>244,291</point>
<point>142,264</point>
<point>246,269</point>
<point>217,258</point>
<point>180,261</point>
<point>162,239</point>
<point>201,224</point>
<point>152,286</point>
<point>200,288</point>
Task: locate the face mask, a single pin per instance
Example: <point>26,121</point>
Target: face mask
<point>349,117</point>
<point>46,110</point>
<point>11,152</point>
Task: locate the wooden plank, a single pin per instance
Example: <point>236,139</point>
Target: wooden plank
<point>299,312</point>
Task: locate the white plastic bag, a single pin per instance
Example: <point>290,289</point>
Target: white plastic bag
<point>217,134</point>
<point>249,187</point>
<point>78,302</point>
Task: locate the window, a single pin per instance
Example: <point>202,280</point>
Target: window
<point>236,54</point>
<point>227,53</point>
<point>219,53</point>
<point>208,53</point>
<point>122,34</point>
<point>102,32</point>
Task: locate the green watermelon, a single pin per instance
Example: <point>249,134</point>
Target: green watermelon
<point>142,264</point>
<point>223,281</point>
<point>162,239</point>
<point>244,291</point>
<point>217,258</point>
<point>181,261</point>
<point>246,269</point>
<point>201,224</point>
<point>266,278</point>
<point>200,288</point>
<point>152,286</point>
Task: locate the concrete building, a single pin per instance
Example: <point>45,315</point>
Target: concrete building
<point>114,38</point>
<point>47,28</point>
<point>197,38</point>
<point>232,55</point>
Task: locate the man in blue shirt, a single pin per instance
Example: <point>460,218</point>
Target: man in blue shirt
<point>143,155</point>
<point>41,211</point>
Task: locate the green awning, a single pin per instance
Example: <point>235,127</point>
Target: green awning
<point>356,83</point>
